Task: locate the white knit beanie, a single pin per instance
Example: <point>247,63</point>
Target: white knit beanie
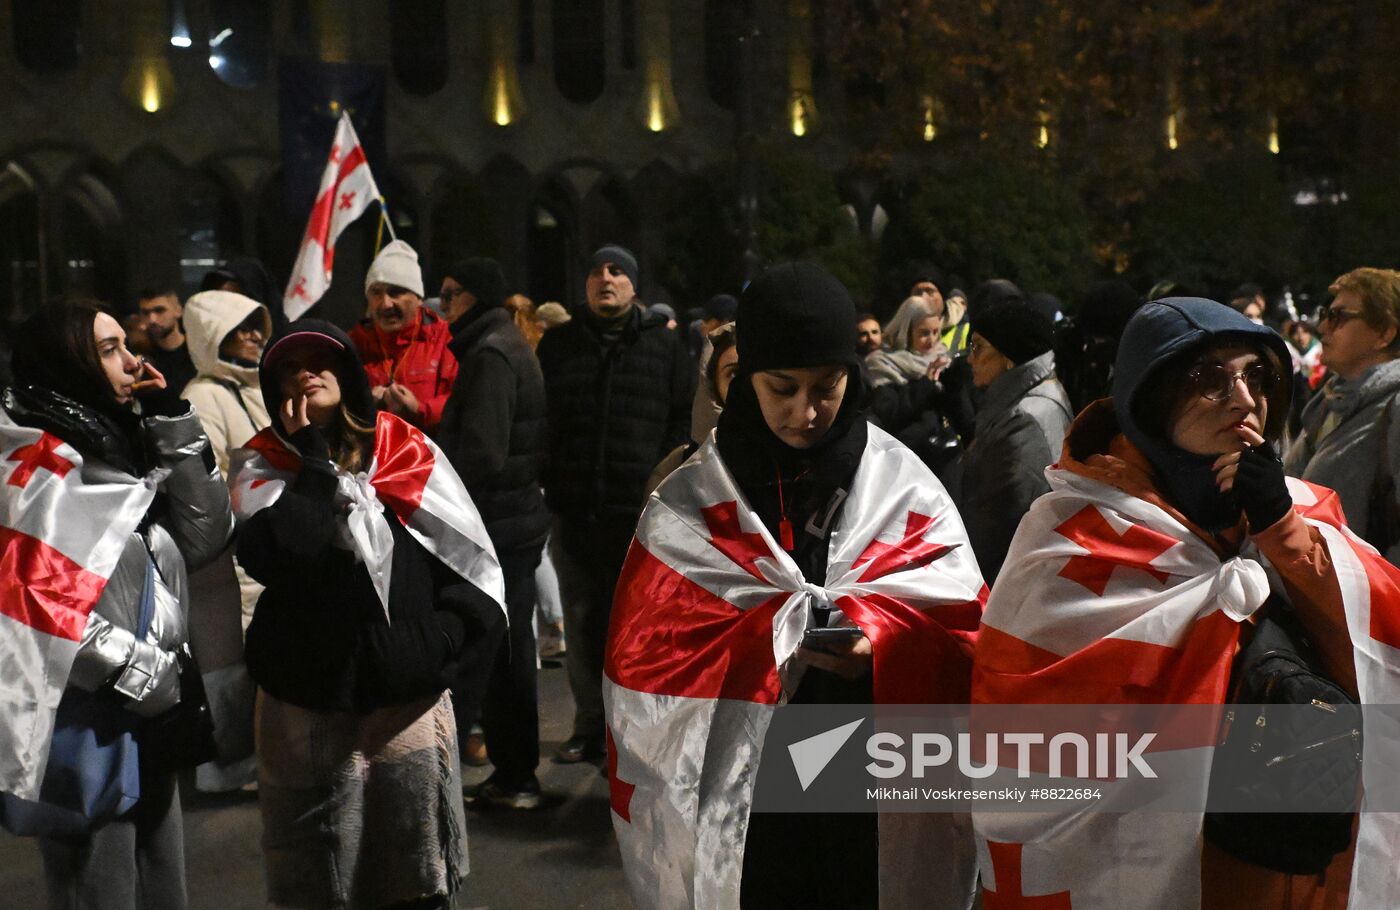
<point>396,264</point>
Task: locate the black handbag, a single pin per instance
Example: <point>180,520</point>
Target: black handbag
<point>1291,738</point>
<point>183,736</point>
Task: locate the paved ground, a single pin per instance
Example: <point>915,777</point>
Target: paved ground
<point>562,856</point>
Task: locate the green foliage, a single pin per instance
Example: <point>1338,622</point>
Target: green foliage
<point>1234,223</point>
<point>983,218</point>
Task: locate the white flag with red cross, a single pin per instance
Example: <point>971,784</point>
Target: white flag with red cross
<point>409,474</point>
<point>347,189</point>
<point>1106,599</point>
<point>63,523</point>
<point>707,614</point>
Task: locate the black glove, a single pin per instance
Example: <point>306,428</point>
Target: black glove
<point>311,443</point>
<point>1261,489</point>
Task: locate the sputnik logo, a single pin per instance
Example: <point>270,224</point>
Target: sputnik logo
<point>810,756</point>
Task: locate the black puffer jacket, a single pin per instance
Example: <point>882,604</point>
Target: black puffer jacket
<point>614,412</point>
<point>493,427</point>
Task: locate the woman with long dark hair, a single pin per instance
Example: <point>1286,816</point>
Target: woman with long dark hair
<point>141,477</point>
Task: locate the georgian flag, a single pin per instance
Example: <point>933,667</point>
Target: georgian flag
<point>708,612</point>
<point>63,523</point>
<point>409,474</point>
<point>347,189</point>
<point>1108,599</point>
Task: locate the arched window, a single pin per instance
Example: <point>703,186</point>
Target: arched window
<point>21,287</point>
<point>418,42</point>
<point>552,248</point>
<point>627,29</point>
<point>724,22</point>
<point>46,34</point>
<point>210,229</point>
<point>525,31</point>
<point>580,58</point>
<point>90,257</point>
<point>240,38</point>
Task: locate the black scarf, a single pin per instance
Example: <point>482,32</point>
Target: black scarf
<point>799,484</point>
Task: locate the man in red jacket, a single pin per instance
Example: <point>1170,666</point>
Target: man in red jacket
<point>403,344</point>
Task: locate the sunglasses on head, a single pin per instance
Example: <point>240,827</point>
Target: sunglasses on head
<point>1216,382</point>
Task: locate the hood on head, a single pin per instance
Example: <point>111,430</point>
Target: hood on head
<point>350,371</point>
<point>209,317</point>
<point>1171,329</point>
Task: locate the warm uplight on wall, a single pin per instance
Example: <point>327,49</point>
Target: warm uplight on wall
<point>802,106</point>
<point>503,100</point>
<point>656,107</point>
<point>149,84</point>
<point>1042,134</point>
<point>1171,132</point>
<point>1273,133</point>
<point>930,127</point>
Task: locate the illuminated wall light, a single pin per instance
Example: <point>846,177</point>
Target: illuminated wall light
<point>503,100</point>
<point>930,128</point>
<point>800,126</point>
<point>1172,143</point>
<point>1042,134</point>
<point>1273,134</point>
<point>658,110</point>
<point>149,84</point>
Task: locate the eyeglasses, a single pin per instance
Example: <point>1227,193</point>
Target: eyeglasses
<point>1336,316</point>
<point>977,347</point>
<point>1214,382</point>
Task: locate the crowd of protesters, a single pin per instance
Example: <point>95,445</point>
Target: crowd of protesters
<point>415,498</point>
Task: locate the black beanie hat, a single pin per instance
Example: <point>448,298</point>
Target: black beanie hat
<point>795,315</point>
<point>621,257</point>
<point>992,293</point>
<point>917,272</point>
<point>721,307</point>
<point>482,278</point>
<point>1015,328</point>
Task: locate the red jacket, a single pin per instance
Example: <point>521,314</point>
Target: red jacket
<point>416,356</point>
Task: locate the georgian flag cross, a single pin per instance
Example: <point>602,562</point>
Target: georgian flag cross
<point>347,189</point>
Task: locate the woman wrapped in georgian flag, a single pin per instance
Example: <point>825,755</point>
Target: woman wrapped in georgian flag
<point>382,588</point>
<point>1137,579</point>
<point>794,514</point>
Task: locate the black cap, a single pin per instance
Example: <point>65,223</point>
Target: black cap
<point>795,315</point>
<point>482,278</point>
<point>1015,328</point>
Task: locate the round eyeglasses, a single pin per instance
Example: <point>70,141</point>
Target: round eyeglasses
<point>1216,382</point>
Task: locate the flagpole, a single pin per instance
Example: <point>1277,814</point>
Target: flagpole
<point>383,222</point>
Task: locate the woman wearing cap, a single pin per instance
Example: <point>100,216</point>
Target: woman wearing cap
<point>1020,426</point>
<point>1351,431</point>
<point>1136,580</point>
<point>756,578</point>
<point>381,586</point>
<point>146,481</point>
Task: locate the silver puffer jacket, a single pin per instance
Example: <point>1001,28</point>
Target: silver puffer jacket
<point>195,527</point>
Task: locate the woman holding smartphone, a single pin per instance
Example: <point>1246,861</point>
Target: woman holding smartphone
<point>76,381</point>
<point>800,556</point>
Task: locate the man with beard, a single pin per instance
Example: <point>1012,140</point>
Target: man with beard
<point>161,311</point>
<point>618,395</point>
<point>402,343</point>
<point>868,337</point>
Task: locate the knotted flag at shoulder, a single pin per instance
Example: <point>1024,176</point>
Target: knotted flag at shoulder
<point>408,474</point>
<point>64,521</point>
<point>708,613</point>
<point>1107,599</point>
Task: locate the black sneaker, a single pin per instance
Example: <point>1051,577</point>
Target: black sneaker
<point>494,793</point>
